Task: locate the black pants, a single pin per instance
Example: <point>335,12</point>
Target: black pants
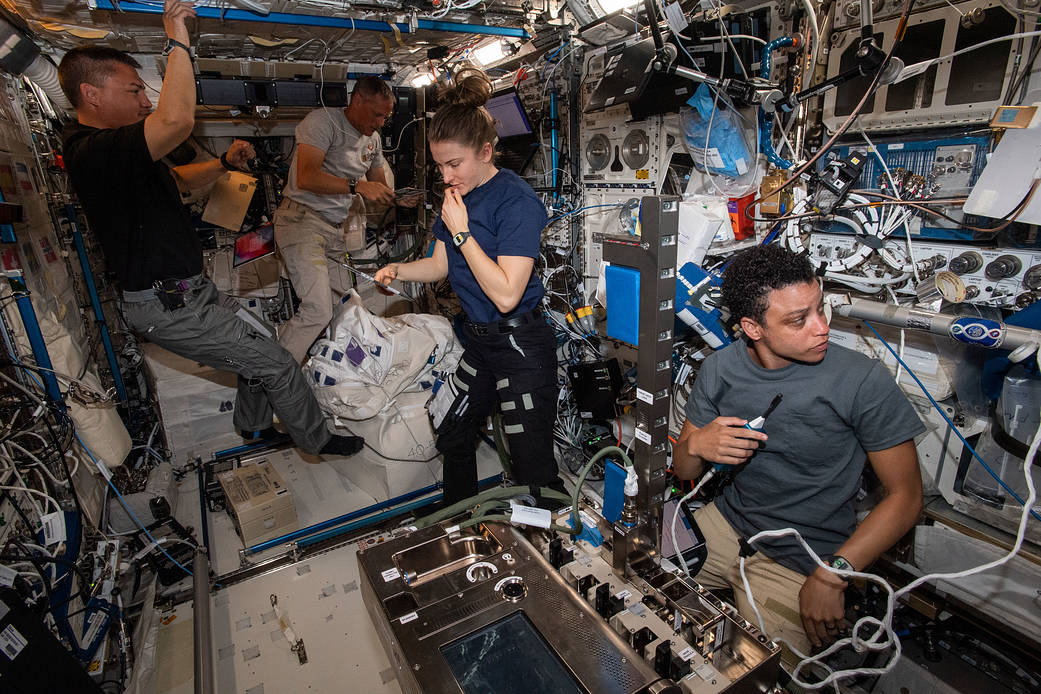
<point>517,370</point>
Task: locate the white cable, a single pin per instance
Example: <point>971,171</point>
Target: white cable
<point>744,37</point>
<point>892,184</point>
<point>918,68</point>
<point>881,281</point>
<point>885,626</point>
<point>709,474</point>
<point>37,492</point>
<point>37,463</point>
<point>811,19</point>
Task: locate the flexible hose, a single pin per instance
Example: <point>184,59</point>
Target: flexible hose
<point>766,120</point>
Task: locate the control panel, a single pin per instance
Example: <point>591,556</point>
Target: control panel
<point>1006,278</point>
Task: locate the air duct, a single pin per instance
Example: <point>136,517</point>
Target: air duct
<point>19,55</point>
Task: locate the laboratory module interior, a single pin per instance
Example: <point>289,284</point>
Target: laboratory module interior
<point>758,282</point>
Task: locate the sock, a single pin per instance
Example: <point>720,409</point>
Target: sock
<point>342,445</point>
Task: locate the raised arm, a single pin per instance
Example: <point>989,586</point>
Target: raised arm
<point>174,116</point>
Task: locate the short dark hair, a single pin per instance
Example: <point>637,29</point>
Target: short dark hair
<point>370,86</point>
<point>753,274</point>
<point>91,65</point>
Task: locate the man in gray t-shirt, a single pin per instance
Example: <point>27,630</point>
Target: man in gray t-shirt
<point>802,470</point>
<point>335,149</point>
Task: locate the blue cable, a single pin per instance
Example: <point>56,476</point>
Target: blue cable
<point>127,507</point>
<point>118,495</point>
<point>949,422</point>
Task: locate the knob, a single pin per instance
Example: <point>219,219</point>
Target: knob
<point>1025,299</point>
<point>513,590</point>
<point>1032,278</point>
<point>966,263</point>
<point>1002,267</point>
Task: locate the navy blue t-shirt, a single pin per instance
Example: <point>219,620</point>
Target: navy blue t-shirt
<point>505,218</point>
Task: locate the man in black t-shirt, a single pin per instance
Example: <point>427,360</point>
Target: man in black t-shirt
<point>132,199</point>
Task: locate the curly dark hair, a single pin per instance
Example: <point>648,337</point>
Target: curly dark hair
<point>752,274</point>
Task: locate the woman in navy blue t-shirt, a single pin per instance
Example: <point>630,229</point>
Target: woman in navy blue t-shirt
<point>488,237</point>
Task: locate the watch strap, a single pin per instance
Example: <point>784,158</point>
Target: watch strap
<point>174,43</point>
<point>227,164</point>
<point>460,238</point>
<point>842,564</point>
<point>352,184</point>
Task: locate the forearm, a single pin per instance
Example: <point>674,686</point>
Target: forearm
<point>686,463</point>
<point>176,107</point>
<point>491,278</point>
<point>190,176</point>
<point>422,270</point>
<point>323,183</point>
<point>880,530</point>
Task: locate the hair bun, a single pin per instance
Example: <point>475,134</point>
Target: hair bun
<point>469,87</point>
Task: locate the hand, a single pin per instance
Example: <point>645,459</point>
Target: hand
<point>240,153</point>
<point>384,276</point>
<point>822,605</point>
<point>375,191</point>
<point>724,440</point>
<point>174,15</point>
<point>408,200</point>
<point>453,212</point>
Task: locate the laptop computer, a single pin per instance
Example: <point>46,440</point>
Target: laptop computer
<point>517,140</point>
<point>254,245</point>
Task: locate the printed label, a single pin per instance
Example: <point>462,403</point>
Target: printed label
<point>12,642</point>
<point>643,435</point>
<point>53,528</point>
<point>711,156</point>
<point>408,618</point>
<point>642,394</point>
<point>390,574</point>
<point>527,515</point>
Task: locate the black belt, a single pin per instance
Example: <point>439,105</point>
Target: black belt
<point>506,325</point>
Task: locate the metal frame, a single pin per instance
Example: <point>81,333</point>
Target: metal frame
<point>653,254</point>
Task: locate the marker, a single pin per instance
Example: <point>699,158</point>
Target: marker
<point>372,279</point>
<point>755,425</point>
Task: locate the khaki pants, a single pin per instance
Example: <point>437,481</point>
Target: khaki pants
<point>313,251</point>
<point>774,587</point>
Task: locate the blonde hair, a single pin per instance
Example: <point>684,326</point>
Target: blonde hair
<point>462,117</point>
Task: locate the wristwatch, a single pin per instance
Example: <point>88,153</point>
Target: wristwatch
<point>460,238</point>
<point>174,43</point>
<point>352,183</point>
<point>841,564</point>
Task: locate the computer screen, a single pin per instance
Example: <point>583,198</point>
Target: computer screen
<point>253,245</point>
<point>508,111</point>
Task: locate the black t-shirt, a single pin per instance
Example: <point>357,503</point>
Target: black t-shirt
<point>133,205</point>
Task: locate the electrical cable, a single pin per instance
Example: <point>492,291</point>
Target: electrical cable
<point>872,86</point>
<point>950,424</point>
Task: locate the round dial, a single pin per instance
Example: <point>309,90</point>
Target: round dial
<point>636,149</point>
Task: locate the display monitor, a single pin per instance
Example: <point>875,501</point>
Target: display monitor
<point>509,114</point>
<point>254,245</point>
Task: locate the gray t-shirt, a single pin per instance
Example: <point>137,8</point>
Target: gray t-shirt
<point>807,474</point>
<point>348,154</point>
